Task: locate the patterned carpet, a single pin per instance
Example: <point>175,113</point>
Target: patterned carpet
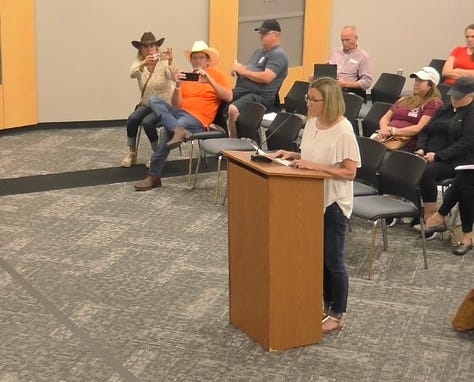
<point>101,283</point>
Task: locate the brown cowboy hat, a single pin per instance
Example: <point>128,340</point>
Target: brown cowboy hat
<point>148,38</point>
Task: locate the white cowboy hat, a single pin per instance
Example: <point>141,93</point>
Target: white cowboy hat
<point>201,46</point>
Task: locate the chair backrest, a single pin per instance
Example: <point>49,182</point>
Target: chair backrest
<point>443,89</point>
<point>220,118</point>
<point>371,156</point>
<point>437,64</point>
<point>353,105</point>
<point>400,174</point>
<point>294,100</point>
<point>283,132</point>
<point>249,120</point>
<point>387,88</point>
<point>370,123</point>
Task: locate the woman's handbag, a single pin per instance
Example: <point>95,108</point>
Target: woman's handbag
<point>464,317</point>
<point>393,142</point>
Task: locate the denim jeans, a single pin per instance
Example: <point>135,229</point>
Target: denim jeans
<point>335,278</point>
<point>170,119</point>
<point>148,119</point>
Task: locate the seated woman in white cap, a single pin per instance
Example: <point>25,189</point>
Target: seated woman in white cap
<point>193,107</point>
<point>411,113</point>
<point>155,78</point>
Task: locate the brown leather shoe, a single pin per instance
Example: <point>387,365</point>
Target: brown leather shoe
<point>151,181</point>
<point>462,249</point>
<point>180,134</point>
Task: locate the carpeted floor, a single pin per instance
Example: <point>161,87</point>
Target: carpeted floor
<point>102,283</point>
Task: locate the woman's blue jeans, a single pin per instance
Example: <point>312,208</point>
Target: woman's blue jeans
<point>335,278</point>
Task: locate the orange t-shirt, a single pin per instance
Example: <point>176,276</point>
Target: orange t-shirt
<point>200,99</point>
<point>462,60</point>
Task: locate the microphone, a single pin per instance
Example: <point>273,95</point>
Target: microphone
<point>260,155</point>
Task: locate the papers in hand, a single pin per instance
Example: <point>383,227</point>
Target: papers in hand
<point>465,167</point>
<point>284,162</point>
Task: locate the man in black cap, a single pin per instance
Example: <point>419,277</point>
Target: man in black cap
<point>260,79</point>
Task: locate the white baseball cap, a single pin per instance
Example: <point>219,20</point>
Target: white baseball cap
<point>427,73</point>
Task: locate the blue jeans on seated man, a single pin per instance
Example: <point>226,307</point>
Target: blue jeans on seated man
<point>335,278</point>
<point>170,119</point>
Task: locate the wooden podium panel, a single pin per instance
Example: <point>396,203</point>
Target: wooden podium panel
<point>275,251</point>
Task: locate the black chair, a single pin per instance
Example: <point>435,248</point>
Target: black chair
<point>353,105</point>
<point>248,127</point>
<point>399,196</point>
<point>283,132</point>
<point>387,88</point>
<point>370,123</point>
<point>371,157</point>
<point>218,129</point>
<point>294,100</point>
<point>438,64</point>
<point>443,89</point>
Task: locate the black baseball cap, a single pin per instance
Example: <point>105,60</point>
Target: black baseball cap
<point>462,87</point>
<point>270,25</point>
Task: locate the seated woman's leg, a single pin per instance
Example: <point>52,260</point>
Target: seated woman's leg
<point>149,125</point>
<point>466,207</point>
<point>133,122</point>
<point>434,172</point>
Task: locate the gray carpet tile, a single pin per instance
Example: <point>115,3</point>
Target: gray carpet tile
<point>102,283</point>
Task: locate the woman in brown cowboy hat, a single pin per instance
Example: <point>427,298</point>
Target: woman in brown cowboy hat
<point>154,76</point>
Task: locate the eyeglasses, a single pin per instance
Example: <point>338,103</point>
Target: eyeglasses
<point>307,98</point>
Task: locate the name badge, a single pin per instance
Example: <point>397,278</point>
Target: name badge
<point>352,61</point>
<point>261,60</point>
<point>414,113</point>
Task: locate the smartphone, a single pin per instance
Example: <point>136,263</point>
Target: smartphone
<point>191,76</point>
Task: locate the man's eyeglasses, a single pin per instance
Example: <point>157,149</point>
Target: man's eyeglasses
<point>307,98</point>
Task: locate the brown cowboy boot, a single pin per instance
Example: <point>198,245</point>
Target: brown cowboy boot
<point>179,135</point>
<point>151,181</point>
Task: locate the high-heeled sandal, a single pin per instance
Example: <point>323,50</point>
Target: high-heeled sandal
<point>331,323</point>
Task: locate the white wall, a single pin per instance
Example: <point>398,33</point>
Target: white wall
<point>404,33</point>
<point>84,51</point>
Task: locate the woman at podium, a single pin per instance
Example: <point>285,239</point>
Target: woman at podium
<point>329,144</point>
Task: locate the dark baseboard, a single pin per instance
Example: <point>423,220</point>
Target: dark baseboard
<point>65,125</point>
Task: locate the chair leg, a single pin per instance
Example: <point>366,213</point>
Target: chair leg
<point>196,172</point>
<point>190,165</point>
<point>423,241</point>
<point>372,249</point>
<point>384,235</point>
<point>216,191</point>
<point>138,138</point>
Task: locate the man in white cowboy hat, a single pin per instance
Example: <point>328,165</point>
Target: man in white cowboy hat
<point>260,79</point>
<point>193,107</point>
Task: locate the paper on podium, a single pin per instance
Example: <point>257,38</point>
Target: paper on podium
<point>465,167</point>
<point>284,162</point>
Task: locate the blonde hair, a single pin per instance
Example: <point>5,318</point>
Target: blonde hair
<point>333,105</point>
<point>415,101</point>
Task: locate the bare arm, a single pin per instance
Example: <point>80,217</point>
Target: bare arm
<point>264,77</point>
<point>222,92</point>
<point>451,72</point>
<point>346,171</point>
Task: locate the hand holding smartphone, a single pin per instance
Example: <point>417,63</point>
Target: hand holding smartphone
<point>191,76</point>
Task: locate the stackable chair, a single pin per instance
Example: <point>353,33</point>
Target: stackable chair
<point>387,88</point>
<point>283,131</point>
<point>370,123</point>
<point>371,156</point>
<point>248,127</point>
<point>398,196</point>
<point>353,105</point>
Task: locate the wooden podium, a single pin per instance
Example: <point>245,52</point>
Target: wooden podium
<point>275,251</point>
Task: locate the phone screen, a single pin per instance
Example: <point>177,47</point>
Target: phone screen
<point>191,76</point>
